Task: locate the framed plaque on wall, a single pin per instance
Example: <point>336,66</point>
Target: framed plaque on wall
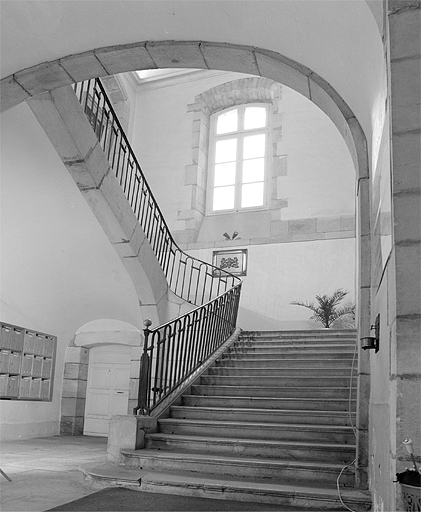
<point>233,261</point>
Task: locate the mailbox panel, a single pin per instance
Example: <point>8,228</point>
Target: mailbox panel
<point>45,388</point>
<point>16,339</point>
<point>29,342</point>
<point>5,336</point>
<point>35,390</point>
<point>4,361</point>
<point>13,385</point>
<point>26,363</point>
<point>14,362</point>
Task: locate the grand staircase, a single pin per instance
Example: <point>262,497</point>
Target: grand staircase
<point>270,421</point>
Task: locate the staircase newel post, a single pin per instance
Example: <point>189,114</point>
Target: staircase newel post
<point>142,397</point>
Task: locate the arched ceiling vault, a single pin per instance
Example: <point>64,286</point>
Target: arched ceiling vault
<point>339,41</point>
<point>191,54</point>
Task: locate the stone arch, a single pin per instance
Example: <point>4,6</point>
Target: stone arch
<point>111,60</point>
<point>76,363</point>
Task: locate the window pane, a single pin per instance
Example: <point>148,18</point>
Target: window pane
<point>226,151</point>
<point>254,117</point>
<point>224,174</point>
<point>254,146</point>
<point>252,195</point>
<point>227,122</point>
<point>223,198</point>
<point>253,170</point>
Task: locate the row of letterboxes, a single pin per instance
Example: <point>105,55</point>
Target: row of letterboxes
<point>25,364</point>
<point>14,338</point>
<point>24,387</point>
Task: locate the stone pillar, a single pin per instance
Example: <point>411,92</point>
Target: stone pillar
<point>128,432</point>
<point>73,398</point>
<point>405,84</point>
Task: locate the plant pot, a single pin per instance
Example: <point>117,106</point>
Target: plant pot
<point>411,497</point>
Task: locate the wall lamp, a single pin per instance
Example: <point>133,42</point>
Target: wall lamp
<point>372,342</point>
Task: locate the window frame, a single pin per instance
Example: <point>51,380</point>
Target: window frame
<point>239,135</point>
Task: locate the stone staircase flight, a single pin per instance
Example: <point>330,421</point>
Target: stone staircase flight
<point>270,421</point>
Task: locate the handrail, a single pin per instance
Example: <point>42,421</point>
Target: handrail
<point>173,351</point>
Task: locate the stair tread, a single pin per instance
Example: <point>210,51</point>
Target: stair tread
<point>114,471</point>
<point>284,359</point>
<point>237,386</point>
<point>270,398</point>
<point>264,486</point>
<point>230,460</point>
<point>261,425</point>
<point>260,442</point>
<point>262,411</point>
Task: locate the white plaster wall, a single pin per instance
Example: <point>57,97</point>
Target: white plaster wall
<point>162,139</point>
<point>280,273</point>
<point>320,178</point>
<point>58,269</point>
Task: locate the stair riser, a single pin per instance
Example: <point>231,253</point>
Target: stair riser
<point>280,381</point>
<point>270,417</point>
<point>312,405</point>
<point>283,363</point>
<point>248,432</point>
<point>271,472</point>
<point>238,447</point>
<point>302,335</point>
<point>286,499</point>
<point>282,354</point>
<point>272,392</point>
<point>283,348</point>
<point>295,373</point>
<point>315,343</point>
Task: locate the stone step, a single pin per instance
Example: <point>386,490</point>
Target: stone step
<point>276,392</point>
<point>276,381</point>
<point>303,335</point>
<point>318,417</point>
<point>275,372</point>
<point>279,346</point>
<point>257,430</point>
<point>302,497</point>
<point>261,448</point>
<point>283,362</point>
<point>248,468</point>
<point>306,404</point>
<point>292,354</point>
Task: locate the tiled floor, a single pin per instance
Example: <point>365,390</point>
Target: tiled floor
<point>44,471</point>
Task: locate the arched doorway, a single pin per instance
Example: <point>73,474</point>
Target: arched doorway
<point>97,376</point>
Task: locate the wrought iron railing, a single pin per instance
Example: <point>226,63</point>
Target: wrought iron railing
<point>173,351</point>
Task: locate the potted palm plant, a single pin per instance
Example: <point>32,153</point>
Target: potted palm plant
<point>327,310</point>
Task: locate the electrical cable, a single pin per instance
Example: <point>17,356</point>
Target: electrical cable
<point>354,429</point>
<point>337,485</point>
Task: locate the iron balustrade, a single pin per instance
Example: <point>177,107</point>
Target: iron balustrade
<point>173,351</point>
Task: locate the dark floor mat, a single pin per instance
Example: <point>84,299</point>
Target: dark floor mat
<point>118,499</point>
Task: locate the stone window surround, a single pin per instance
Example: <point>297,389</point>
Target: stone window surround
<point>216,99</point>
